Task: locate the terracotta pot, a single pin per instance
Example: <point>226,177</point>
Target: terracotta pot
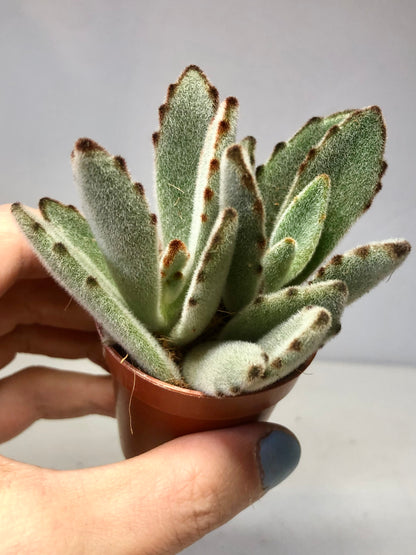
<point>150,412</point>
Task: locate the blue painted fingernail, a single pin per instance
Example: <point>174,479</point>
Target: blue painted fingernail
<point>279,454</point>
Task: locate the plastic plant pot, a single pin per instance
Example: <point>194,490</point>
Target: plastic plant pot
<point>151,412</point>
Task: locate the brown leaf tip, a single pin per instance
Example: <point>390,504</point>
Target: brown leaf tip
<point>362,252</point>
<point>337,260</point>
<point>162,113</point>
<point>261,243</point>
<point>59,248</point>
<point>120,163</point>
<point>214,166</point>
<point>322,319</point>
<point>155,138</point>
<point>296,345</point>
<point>172,88</point>
<point>214,94</point>
<point>314,119</point>
<point>235,390</point>
<point>280,146</point>
<point>398,249</point>
<point>341,286</point>
<point>37,227</point>
<point>309,157</point>
<point>254,372</point>
<point>332,131</point>
<point>231,102</point>
<point>208,192</point>
<point>368,205</point>
<point>223,127</point>
<point>175,246</point>
<point>234,153</point>
<point>258,207</point>
<point>230,213</point>
<point>42,207</point>
<point>139,189</point>
<point>87,146</point>
<point>277,363</point>
<point>247,181</point>
<point>292,291</point>
<point>320,273</point>
<point>91,281</point>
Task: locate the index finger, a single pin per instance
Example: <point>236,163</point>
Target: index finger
<point>17,256</point>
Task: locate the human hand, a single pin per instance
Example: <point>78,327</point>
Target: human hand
<point>159,502</point>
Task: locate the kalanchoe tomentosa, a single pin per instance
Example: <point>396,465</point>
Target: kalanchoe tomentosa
<point>213,295</point>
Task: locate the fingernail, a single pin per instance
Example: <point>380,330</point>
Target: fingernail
<point>279,454</point>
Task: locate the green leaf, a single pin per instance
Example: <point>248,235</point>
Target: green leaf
<point>204,293</point>
<point>228,368</point>
<point>221,133</point>
<point>276,176</point>
<point>76,230</point>
<point>291,343</point>
<point>172,265</point>
<point>277,261</point>
<point>90,287</point>
<point>268,311</point>
<point>364,267</point>
<point>352,155</point>
<point>239,191</point>
<point>190,105</point>
<point>249,145</point>
<point>125,230</point>
<point>303,220</point>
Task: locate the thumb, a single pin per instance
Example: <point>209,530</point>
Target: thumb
<point>168,498</point>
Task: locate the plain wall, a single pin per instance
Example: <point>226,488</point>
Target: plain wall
<point>101,69</point>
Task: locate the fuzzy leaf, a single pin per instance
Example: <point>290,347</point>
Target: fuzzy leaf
<point>90,287</point>
<point>289,344</point>
<point>276,176</point>
<point>249,145</point>
<point>277,261</point>
<point>303,220</point>
<point>352,155</point>
<point>190,105</point>
<point>364,267</point>
<point>221,133</point>
<point>172,265</point>
<point>125,230</point>
<point>268,311</point>
<point>204,293</point>
<point>239,191</point>
<point>228,368</point>
<point>75,229</point>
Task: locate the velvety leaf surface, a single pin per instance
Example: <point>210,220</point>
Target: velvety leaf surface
<point>276,176</point>
<point>190,105</point>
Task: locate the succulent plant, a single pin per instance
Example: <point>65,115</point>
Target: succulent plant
<point>211,294</point>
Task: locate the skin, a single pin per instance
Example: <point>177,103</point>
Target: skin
<point>134,506</point>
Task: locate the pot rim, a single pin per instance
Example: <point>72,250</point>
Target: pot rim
<point>157,392</point>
